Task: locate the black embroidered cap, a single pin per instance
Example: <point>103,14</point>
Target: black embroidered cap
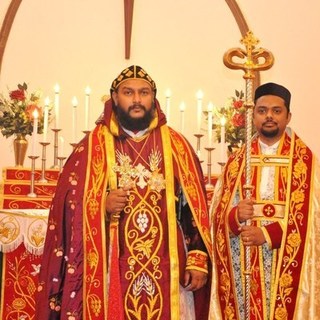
<point>133,72</point>
<point>274,89</point>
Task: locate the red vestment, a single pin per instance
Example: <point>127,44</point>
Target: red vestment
<point>282,279</point>
<point>97,268</point>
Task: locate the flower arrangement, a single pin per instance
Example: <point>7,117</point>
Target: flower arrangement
<point>16,112</point>
<point>233,113</point>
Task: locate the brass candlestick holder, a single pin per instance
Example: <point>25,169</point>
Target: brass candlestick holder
<point>198,149</point>
<point>55,146</point>
<point>209,184</point>
<point>43,162</point>
<point>32,194</point>
<point>73,145</point>
<point>61,159</point>
<point>221,164</point>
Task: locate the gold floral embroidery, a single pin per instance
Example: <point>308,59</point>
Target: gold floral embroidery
<point>298,196</point>
<point>286,280</point>
<point>95,304</point>
<point>145,247</point>
<point>229,313</point>
<point>300,168</point>
<point>225,282</point>
<point>294,239</point>
<point>92,259</point>
<point>281,313</point>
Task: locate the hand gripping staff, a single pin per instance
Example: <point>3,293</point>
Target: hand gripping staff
<point>251,60</point>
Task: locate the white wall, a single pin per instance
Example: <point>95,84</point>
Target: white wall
<point>180,43</point>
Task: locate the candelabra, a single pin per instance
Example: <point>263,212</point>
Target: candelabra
<point>32,194</point>
<point>56,146</point>
<point>198,136</point>
<point>221,164</point>
<point>209,185</point>
<point>73,145</point>
<point>61,159</point>
<point>43,162</point>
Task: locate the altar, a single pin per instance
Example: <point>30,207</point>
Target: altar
<point>23,224</point>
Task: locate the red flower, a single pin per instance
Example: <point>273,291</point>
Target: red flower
<point>238,120</point>
<point>17,95</point>
<point>238,104</point>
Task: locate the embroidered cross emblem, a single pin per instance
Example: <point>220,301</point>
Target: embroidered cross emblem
<point>269,210</point>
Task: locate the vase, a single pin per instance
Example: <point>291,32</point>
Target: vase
<point>20,146</point>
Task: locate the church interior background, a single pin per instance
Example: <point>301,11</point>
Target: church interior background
<point>80,46</point>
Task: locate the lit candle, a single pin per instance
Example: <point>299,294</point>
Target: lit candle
<point>199,109</point>
<point>86,109</point>
<point>223,138</point>
<point>74,119</point>
<point>56,105</point>
<point>61,147</point>
<point>35,131</point>
<point>182,109</point>
<point>210,120</point>
<point>45,118</point>
<point>168,95</point>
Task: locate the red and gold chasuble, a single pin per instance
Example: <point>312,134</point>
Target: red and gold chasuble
<point>272,296</point>
<point>148,253</point>
<point>143,256</point>
<point>95,267</point>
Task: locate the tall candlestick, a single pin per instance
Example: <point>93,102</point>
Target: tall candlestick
<point>223,138</point>
<point>61,147</point>
<point>34,132</point>
<point>182,109</point>
<point>56,105</point>
<point>74,119</point>
<point>210,120</point>
<point>168,95</point>
<point>45,119</point>
<point>199,110</point>
<point>86,108</point>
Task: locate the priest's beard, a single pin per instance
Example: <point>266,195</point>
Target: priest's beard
<point>270,134</point>
<point>135,124</point>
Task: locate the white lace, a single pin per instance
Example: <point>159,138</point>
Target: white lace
<point>267,173</point>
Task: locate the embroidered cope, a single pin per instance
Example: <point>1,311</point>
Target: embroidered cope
<point>283,280</point>
<point>97,267</point>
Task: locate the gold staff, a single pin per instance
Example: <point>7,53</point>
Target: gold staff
<point>254,61</point>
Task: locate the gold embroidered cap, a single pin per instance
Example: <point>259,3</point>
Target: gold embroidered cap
<point>133,72</point>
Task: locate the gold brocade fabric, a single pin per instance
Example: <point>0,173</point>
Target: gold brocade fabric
<point>296,282</point>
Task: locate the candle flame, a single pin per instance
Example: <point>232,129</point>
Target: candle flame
<point>87,90</point>
<point>46,101</point>
<point>74,101</point>
<point>199,94</point>
<point>182,106</point>
<point>35,114</point>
